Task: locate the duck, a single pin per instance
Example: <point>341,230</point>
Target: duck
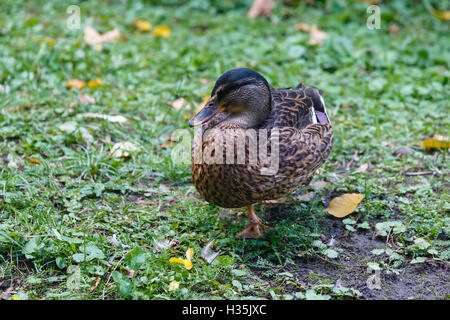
<point>254,142</point>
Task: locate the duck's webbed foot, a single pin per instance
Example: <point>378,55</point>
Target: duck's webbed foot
<point>256,229</point>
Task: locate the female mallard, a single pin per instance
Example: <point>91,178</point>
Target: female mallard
<point>257,143</point>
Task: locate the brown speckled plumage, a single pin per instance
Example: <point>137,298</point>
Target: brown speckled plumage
<point>303,147</point>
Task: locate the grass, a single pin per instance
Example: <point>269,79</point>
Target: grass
<point>78,223</point>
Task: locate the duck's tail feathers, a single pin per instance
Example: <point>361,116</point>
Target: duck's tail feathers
<point>320,110</point>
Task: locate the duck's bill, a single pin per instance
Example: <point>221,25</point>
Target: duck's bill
<point>209,111</point>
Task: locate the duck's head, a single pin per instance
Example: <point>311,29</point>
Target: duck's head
<point>240,98</point>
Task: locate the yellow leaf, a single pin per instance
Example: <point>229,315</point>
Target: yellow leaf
<point>75,83</point>
<point>187,264</point>
<point>35,161</point>
<point>161,31</point>
<point>445,15</point>
<point>189,254</point>
<point>142,25</point>
<point>205,100</point>
<point>49,41</point>
<point>343,205</point>
<point>174,285</point>
<point>437,142</point>
<point>94,83</point>
<point>16,298</point>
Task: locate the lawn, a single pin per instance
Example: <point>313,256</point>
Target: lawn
<point>80,221</point>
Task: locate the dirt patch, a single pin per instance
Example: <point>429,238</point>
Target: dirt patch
<point>428,280</point>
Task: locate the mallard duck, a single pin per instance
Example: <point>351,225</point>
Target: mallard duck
<point>293,121</point>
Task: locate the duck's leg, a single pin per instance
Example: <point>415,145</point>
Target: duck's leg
<point>256,228</point>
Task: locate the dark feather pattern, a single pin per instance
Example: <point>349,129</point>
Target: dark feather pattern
<point>303,147</point>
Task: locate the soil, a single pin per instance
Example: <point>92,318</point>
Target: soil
<point>424,281</point>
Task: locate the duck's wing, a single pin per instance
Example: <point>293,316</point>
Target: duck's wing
<point>295,107</point>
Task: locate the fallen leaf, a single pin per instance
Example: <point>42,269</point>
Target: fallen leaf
<point>119,118</point>
<point>437,142</point>
<point>68,127</point>
<point>260,8</point>
<point>187,263</point>
<point>95,39</point>
<point>174,285</point>
<point>393,29</point>
<point>363,168</point>
<point>177,104</point>
<point>319,184</point>
<point>343,205</point>
<point>34,160</point>
<point>161,31</point>
<point>303,27</point>
<point>49,41</point>
<point>142,25</point>
<point>97,281</point>
<point>123,149</point>
<point>86,98</point>
<point>370,1</point>
<point>306,196</point>
<point>442,15</point>
<point>403,152</point>
<point>316,36</point>
<point>94,83</point>
<point>75,83</point>
<point>189,254</point>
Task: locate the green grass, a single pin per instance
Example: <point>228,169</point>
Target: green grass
<point>83,216</point>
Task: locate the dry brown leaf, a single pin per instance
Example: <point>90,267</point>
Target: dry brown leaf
<point>303,27</point>
<point>437,142</point>
<point>161,31</point>
<point>75,83</point>
<point>123,149</point>
<point>317,36</point>
<point>393,29</point>
<point>95,39</point>
<point>403,152</point>
<point>370,1</point>
<point>343,205</point>
<point>362,168</point>
<point>142,25</point>
<point>306,196</point>
<point>177,104</point>
<point>317,185</point>
<point>86,98</point>
<point>96,283</point>
<point>260,8</point>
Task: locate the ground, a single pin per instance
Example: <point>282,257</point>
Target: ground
<point>77,222</point>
